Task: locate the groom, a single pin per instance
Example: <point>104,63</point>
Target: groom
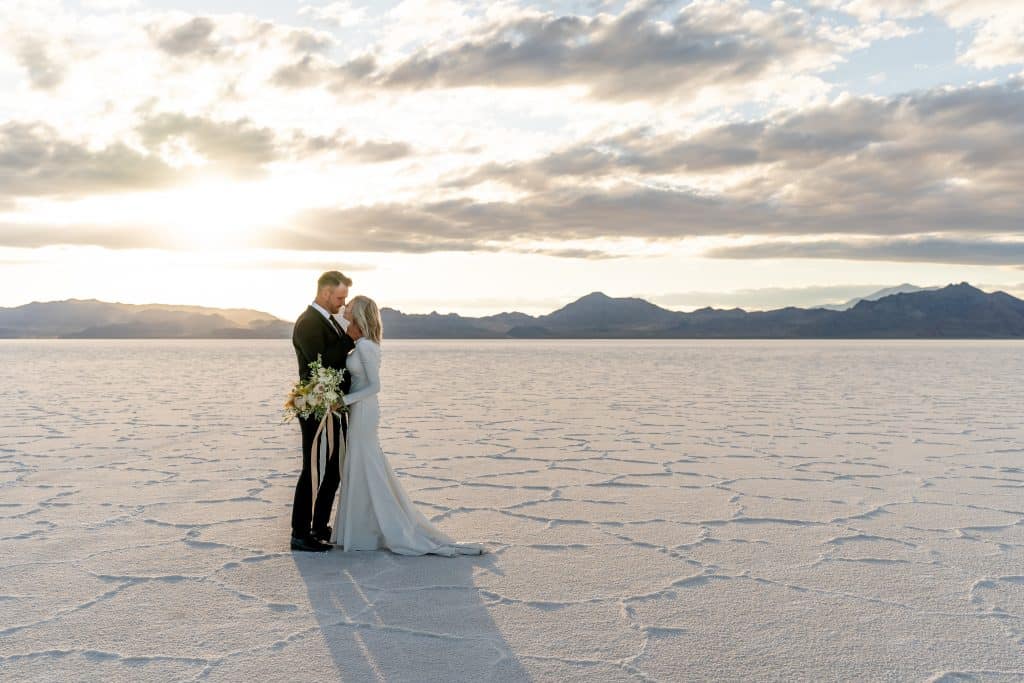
<point>318,333</point>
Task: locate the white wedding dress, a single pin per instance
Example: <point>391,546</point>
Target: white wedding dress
<point>374,511</point>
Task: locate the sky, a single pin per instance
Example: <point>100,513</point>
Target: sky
<point>487,156</point>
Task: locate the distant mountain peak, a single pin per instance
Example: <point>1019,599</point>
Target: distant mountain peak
<point>599,313</point>
<point>905,288</point>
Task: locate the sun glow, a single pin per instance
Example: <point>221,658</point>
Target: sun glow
<point>219,214</point>
<point>209,213</point>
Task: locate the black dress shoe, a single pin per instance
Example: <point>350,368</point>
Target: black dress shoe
<point>309,544</point>
<point>322,535</point>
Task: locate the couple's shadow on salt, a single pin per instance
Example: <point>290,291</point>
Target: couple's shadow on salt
<point>387,617</point>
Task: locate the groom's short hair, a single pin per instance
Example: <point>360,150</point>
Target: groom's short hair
<point>333,278</point>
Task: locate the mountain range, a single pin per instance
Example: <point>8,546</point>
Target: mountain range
<point>92,319</point>
<point>954,311</point>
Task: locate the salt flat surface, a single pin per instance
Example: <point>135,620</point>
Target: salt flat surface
<point>655,511</point>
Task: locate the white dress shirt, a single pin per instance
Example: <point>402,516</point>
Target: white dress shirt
<point>327,316</point>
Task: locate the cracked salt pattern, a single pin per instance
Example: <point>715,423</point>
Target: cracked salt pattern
<point>656,511</point>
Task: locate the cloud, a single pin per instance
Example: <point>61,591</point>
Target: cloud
<point>373,151</point>
<point>998,41</point>
<point>393,227</point>
<point>943,160</point>
<point>167,148</point>
<point>311,71</point>
<point>341,14</point>
<point>653,214</point>
<point>996,27</point>
<point>44,72</point>
<point>297,264</point>
<point>239,147</point>
<point>31,236</point>
<point>193,37</point>
<point>633,55</point>
<point>35,161</point>
<point>910,249</point>
<point>970,125</point>
<point>110,5</point>
<point>794,140</point>
<point>306,41</point>
<point>585,254</point>
<point>244,42</point>
<point>358,151</point>
<point>465,224</point>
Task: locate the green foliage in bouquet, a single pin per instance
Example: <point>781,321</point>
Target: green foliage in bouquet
<point>317,395</point>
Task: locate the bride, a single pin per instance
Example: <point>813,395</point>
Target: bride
<point>374,511</point>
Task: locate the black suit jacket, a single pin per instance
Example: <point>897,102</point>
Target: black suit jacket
<point>313,336</point>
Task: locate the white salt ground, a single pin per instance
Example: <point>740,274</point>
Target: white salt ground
<point>663,511</point>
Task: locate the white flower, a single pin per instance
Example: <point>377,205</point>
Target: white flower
<point>331,397</point>
<point>300,402</point>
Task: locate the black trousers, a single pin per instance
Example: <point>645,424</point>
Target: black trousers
<point>304,516</point>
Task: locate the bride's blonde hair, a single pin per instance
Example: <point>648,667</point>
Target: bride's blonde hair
<point>366,314</point>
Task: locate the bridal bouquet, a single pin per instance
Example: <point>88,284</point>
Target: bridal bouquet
<point>319,395</point>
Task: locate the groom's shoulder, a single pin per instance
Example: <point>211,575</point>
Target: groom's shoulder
<point>303,319</point>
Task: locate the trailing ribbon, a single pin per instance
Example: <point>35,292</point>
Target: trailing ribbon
<point>342,452</point>
<point>321,450</point>
<point>327,423</point>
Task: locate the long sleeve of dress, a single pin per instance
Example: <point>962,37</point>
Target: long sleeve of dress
<point>369,355</point>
